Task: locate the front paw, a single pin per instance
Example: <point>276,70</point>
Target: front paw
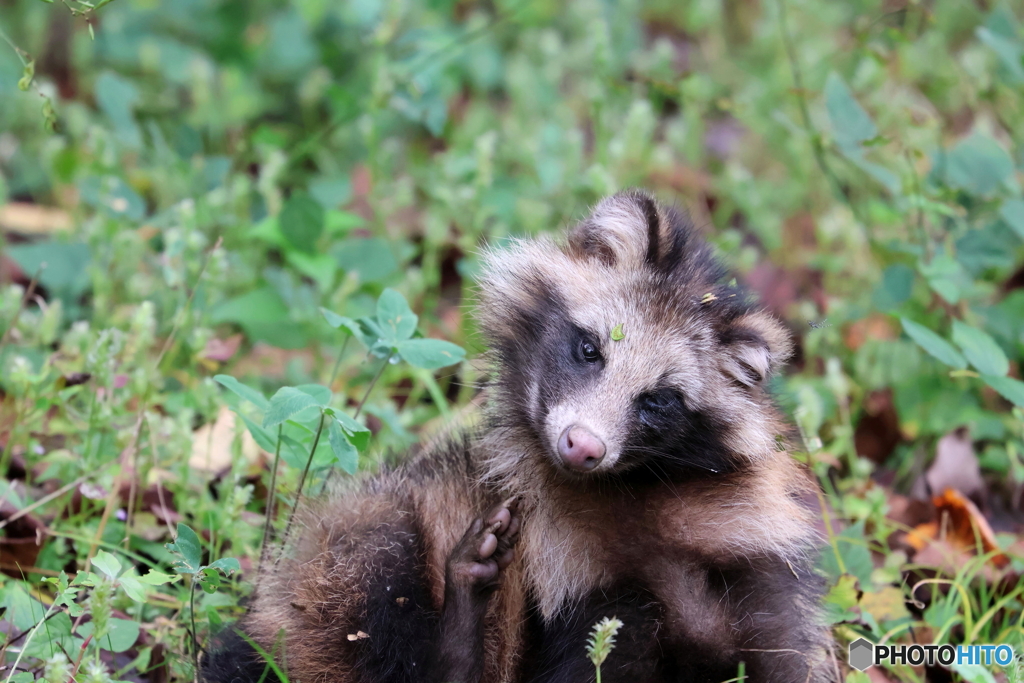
<point>487,547</point>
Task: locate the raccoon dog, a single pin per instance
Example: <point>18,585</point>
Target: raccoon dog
<point>629,465</point>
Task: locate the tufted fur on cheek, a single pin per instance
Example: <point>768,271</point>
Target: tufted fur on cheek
<point>754,346</point>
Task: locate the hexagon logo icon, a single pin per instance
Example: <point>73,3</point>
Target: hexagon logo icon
<point>862,654</point>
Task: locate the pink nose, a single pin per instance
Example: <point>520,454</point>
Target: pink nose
<point>579,449</point>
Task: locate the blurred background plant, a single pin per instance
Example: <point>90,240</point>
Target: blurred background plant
<point>232,189</point>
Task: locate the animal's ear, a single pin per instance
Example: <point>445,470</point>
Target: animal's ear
<point>755,345</point>
<point>629,230</point>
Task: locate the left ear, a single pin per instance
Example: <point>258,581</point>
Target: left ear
<point>756,345</point>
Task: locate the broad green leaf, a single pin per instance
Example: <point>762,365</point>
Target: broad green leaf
<point>246,393</point>
<point>138,587</point>
<point>209,579</point>
<point>318,391</point>
<point>262,437</point>
<point>895,288</point>
<point>396,320</point>
<point>319,267</point>
<point>302,222</point>
<point>287,402</point>
<point>121,635</point>
<point>1010,52</point>
<point>947,277</point>
<point>331,191</point>
<point>133,587</point>
<point>228,565</point>
<point>850,123</point>
<point>341,222</point>
<point>358,434</point>
<point>155,578</point>
<point>977,164</point>
<point>345,453</point>
<point>841,598</point>
<point>852,547</point>
<point>67,265</point>
<point>1009,388</point>
<point>981,350</point>
<point>430,353</point>
<point>935,345</point>
<point>188,549</point>
<point>1012,213</point>
<point>345,324</point>
<point>107,563</point>
<point>371,258</point>
<point>262,305</point>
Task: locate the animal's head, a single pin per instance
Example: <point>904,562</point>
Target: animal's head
<point>623,350</point>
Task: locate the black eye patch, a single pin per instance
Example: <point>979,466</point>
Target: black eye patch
<point>655,406</point>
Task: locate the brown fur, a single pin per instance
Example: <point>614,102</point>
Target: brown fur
<point>619,267</point>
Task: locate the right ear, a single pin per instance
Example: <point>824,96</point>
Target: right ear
<point>756,345</point>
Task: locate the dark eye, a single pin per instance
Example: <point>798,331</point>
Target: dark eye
<point>589,352</point>
<point>660,401</point>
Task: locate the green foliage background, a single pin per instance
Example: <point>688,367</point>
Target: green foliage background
<point>239,165</point>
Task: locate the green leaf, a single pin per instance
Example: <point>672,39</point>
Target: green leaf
<point>935,345</point>
<point>287,402</point>
<point>1012,213</point>
<point>107,563</point>
<point>262,305</point>
<point>850,123</point>
<point>155,578</point>
<point>430,353</point>
<point>67,265</point>
<point>117,96</point>
<point>617,333</point>
<point>227,565</point>
<point>977,164</point>
<point>1010,52</point>
<point>841,598</point>
<point>23,677</point>
<point>344,452</point>
<point>981,350</point>
<point>261,436</point>
<point>345,324</point>
<point>358,434</point>
<point>209,579</point>
<point>1009,388</point>
<point>188,549</point>
<point>318,391</point>
<point>302,222</point>
<point>27,74</point>
<point>121,635</point>
<point>331,191</point>
<point>241,390</point>
<point>396,320</point>
<point>371,258</point>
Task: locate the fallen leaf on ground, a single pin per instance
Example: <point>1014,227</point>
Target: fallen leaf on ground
<point>211,445</point>
<point>960,525</point>
<point>955,467</point>
<point>33,219</point>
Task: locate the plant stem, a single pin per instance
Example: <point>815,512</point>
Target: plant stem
<point>805,114</point>
<point>17,50</point>
<point>337,363</point>
<point>195,637</point>
<point>271,496</point>
<point>302,480</point>
<point>380,372</point>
